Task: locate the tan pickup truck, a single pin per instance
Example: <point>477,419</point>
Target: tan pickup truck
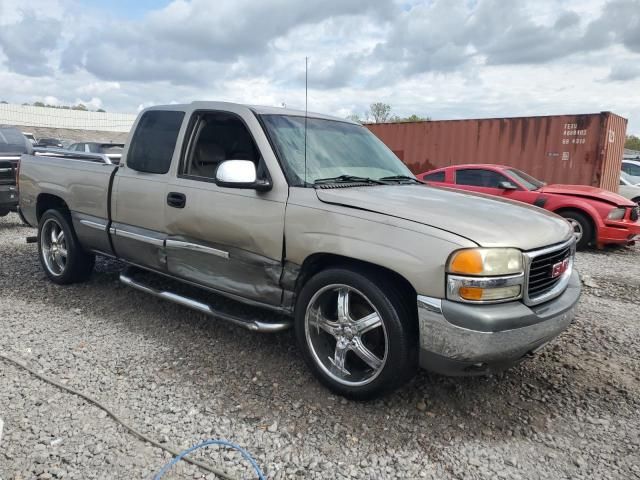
<point>313,219</point>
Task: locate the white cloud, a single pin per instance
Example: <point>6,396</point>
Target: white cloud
<point>50,100</point>
<point>93,104</point>
<point>94,88</point>
<point>441,58</point>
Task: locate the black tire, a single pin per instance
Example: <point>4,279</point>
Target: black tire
<point>77,265</point>
<point>580,220</point>
<point>636,200</point>
<point>4,213</point>
<point>398,312</point>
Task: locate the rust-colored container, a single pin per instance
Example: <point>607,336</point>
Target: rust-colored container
<point>571,149</point>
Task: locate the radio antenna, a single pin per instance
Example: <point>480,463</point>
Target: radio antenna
<point>306,111</point>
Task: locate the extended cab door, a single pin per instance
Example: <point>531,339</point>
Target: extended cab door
<point>140,190</point>
<point>228,239</point>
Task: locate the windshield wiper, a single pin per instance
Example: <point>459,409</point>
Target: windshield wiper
<point>348,178</point>
<point>399,177</point>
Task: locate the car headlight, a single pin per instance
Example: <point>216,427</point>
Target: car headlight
<point>486,261</point>
<point>485,275</point>
<point>617,213</point>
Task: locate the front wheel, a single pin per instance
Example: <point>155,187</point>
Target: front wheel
<point>582,228</point>
<point>61,255</point>
<point>357,336</point>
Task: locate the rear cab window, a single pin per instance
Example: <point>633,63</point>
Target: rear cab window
<point>154,141</point>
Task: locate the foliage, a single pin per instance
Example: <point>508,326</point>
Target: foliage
<point>632,142</point>
<point>354,117</point>
<point>79,106</point>
<point>381,113</point>
<point>410,118</point>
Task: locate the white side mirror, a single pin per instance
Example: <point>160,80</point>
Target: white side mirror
<point>240,174</point>
<point>236,173</point>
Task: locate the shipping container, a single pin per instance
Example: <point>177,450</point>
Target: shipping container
<point>572,149</point>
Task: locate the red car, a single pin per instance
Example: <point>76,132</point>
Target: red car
<point>598,216</point>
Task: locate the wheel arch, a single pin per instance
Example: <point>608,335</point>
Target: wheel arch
<point>318,262</point>
<point>48,201</point>
<point>588,215</point>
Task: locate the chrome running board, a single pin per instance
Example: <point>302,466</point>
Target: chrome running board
<point>250,324</point>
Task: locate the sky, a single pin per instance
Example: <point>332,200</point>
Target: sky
<point>438,58</point>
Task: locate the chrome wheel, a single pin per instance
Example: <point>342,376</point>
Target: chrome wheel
<point>577,228</point>
<point>54,247</point>
<point>346,335</point>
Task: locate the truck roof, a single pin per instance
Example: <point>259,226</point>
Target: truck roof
<point>259,109</point>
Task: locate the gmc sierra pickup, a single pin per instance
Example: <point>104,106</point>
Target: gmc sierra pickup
<point>312,218</point>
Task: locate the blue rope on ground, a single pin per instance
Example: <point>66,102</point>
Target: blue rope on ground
<point>207,443</point>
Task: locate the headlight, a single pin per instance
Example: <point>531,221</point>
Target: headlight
<point>486,261</point>
<point>485,275</point>
<point>617,213</point>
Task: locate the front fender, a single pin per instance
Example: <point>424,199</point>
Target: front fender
<point>596,213</point>
<point>414,251</point>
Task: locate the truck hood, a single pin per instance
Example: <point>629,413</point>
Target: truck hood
<point>587,192</point>
<point>485,220</point>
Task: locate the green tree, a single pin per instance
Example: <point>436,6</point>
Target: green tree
<point>380,112</point>
<point>415,118</point>
<point>632,142</point>
<point>410,118</point>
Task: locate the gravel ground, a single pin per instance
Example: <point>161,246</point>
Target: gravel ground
<point>571,412</point>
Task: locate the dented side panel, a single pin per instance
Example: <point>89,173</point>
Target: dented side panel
<point>231,240</point>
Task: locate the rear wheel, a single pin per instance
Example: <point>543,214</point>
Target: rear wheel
<point>4,213</point>
<point>61,255</point>
<point>582,228</point>
<point>357,336</point>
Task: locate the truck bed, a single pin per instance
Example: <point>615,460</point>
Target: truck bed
<point>83,184</point>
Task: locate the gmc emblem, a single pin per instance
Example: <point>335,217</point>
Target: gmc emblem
<point>559,268</point>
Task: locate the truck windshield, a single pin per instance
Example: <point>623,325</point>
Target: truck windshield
<point>335,150</point>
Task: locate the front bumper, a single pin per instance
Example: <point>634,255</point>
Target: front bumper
<point>8,197</point>
<point>463,339</point>
<point>624,232</point>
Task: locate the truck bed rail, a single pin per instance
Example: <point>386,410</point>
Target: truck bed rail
<point>73,155</point>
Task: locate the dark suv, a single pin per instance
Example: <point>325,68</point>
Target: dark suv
<point>12,145</point>
<point>49,143</point>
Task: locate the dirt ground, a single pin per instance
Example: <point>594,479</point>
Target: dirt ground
<point>573,411</point>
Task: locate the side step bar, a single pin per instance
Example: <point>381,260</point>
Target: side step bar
<point>253,325</point>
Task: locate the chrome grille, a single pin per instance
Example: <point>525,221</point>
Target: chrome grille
<point>541,284</point>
